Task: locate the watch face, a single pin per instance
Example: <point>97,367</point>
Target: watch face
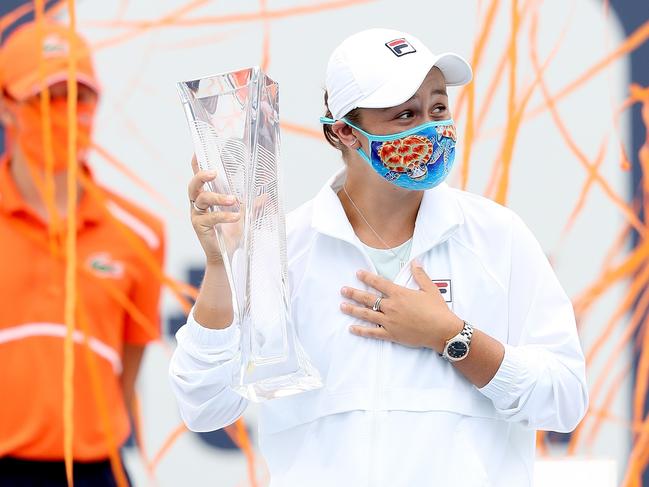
<point>457,349</point>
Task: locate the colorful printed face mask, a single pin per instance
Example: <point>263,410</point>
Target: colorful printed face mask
<point>419,158</point>
<point>28,132</point>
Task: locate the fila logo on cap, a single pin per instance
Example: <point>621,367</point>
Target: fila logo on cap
<point>400,47</point>
<point>444,287</point>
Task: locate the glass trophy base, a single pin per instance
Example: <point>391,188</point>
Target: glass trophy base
<point>281,386</point>
<point>262,376</point>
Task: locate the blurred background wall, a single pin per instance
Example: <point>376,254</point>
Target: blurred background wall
<point>568,111</point>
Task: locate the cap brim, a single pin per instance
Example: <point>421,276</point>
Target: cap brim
<point>456,70</point>
<point>401,87</point>
<point>28,88</point>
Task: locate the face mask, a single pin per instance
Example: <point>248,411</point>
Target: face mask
<point>419,158</point>
<point>27,133</point>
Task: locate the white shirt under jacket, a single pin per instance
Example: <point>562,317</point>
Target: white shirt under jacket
<point>390,415</point>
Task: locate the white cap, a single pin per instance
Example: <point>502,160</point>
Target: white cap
<point>380,68</point>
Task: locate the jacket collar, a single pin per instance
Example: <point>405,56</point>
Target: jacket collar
<point>13,204</point>
<point>439,215</point>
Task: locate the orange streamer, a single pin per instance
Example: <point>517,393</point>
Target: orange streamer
<point>48,191</point>
<point>265,47</point>
<point>168,443</point>
<point>301,130</point>
<point>638,286</point>
<point>138,27</point>
<point>124,169</point>
<point>470,90</point>
<point>616,383</point>
<point>497,169</point>
<point>581,200</point>
<point>581,157</point>
<point>512,119</point>
<point>71,256</point>
<point>635,40</point>
<point>140,247</point>
<point>610,277</point>
<point>100,400</point>
<point>139,436</point>
<point>239,435</point>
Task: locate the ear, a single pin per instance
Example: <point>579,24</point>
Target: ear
<point>345,134</point>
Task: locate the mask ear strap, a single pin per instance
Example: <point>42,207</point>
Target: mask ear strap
<point>369,136</point>
<point>331,121</point>
<point>363,155</point>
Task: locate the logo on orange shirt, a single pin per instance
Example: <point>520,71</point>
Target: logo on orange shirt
<point>55,45</point>
<point>103,265</point>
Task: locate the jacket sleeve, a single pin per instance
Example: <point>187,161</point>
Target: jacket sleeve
<point>201,371</point>
<point>541,382</point>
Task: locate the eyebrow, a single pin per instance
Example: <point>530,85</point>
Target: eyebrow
<point>436,91</point>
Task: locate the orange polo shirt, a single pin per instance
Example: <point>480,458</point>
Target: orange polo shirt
<point>32,328</point>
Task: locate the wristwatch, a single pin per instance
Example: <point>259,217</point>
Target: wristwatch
<point>457,348</point>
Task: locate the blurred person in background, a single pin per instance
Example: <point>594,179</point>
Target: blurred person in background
<point>32,277</point>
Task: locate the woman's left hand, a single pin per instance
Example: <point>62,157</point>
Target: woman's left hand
<point>415,318</point>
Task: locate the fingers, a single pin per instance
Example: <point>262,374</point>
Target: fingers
<point>379,332</point>
<point>196,183</point>
<point>363,313</point>
<point>421,278</point>
<point>377,282</point>
<point>361,297</point>
<point>213,218</point>
<point>207,199</point>
<point>195,167</point>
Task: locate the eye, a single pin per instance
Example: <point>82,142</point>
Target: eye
<point>439,109</point>
<point>404,115</point>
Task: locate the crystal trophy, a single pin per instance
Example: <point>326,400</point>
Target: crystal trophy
<point>234,122</point>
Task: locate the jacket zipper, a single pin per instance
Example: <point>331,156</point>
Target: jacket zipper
<point>376,394</point>
<point>374,436</point>
<point>373,479</point>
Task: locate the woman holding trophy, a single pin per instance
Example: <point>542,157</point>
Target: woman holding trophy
<point>440,332</point>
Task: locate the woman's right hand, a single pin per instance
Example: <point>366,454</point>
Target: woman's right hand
<point>204,220</point>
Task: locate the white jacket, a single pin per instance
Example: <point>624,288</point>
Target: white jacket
<point>389,415</point>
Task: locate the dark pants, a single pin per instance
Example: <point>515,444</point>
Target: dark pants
<point>31,473</point>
